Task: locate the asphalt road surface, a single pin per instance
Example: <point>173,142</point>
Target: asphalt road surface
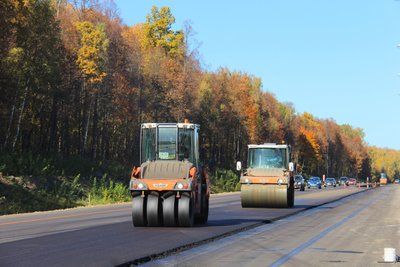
<point>351,232</point>
<point>104,235</point>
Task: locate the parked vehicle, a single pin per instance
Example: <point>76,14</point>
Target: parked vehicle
<point>352,181</point>
<point>299,182</point>
<point>397,181</point>
<point>330,182</point>
<point>343,181</point>
<point>314,182</point>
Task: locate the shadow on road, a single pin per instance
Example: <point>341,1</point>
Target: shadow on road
<point>228,222</point>
<point>303,206</point>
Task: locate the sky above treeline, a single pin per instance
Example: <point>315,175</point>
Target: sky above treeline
<point>334,59</point>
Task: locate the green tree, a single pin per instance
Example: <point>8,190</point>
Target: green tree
<point>159,33</point>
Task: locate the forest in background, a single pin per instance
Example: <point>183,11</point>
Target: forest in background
<point>76,82</point>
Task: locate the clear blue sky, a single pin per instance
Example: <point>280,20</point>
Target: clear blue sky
<point>335,59</point>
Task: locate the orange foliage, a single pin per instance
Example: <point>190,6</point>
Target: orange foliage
<point>312,141</point>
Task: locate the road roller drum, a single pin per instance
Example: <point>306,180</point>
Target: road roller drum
<point>265,196</point>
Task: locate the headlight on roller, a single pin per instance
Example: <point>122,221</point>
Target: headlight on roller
<point>137,185</point>
<point>281,181</point>
<point>182,186</point>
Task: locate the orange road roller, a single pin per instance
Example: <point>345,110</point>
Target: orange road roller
<point>171,187</point>
<point>268,181</point>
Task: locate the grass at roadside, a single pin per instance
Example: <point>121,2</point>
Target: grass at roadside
<point>37,183</point>
<point>29,194</point>
<point>224,181</point>
<point>29,183</point>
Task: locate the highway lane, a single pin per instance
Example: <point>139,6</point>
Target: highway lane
<point>104,235</point>
<point>351,232</point>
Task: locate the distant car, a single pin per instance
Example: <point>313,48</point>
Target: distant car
<point>299,182</point>
<point>330,182</point>
<point>397,181</point>
<point>343,180</point>
<point>315,182</point>
<point>352,181</point>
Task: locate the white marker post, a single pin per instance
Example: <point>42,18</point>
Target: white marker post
<point>389,255</point>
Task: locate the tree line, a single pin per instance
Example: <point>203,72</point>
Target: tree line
<point>75,80</point>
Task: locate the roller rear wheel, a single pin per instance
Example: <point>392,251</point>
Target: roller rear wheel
<point>139,211</point>
<point>170,211</point>
<point>185,211</point>
<point>153,210</point>
<point>290,193</point>
<point>203,216</point>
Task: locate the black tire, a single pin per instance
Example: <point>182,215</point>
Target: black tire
<point>153,210</point>
<point>202,218</point>
<point>170,211</point>
<point>290,196</point>
<point>139,211</point>
<point>185,211</point>
<point>302,188</point>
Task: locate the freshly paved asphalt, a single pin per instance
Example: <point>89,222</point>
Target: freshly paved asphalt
<point>350,232</point>
<point>104,235</point>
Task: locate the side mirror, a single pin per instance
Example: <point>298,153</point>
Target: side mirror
<point>291,166</point>
<point>238,166</point>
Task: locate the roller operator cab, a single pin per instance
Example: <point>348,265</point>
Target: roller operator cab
<point>268,180</point>
<point>170,187</point>
<point>383,179</point>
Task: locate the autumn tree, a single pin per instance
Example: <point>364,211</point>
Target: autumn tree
<point>159,33</point>
<point>32,68</point>
<point>384,160</point>
<point>309,144</point>
<point>74,80</point>
<point>92,54</point>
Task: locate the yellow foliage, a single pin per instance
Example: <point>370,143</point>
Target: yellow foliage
<point>309,121</point>
<point>92,54</point>
<point>386,160</point>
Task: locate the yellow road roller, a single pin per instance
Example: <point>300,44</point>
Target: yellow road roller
<point>170,187</point>
<point>268,181</point>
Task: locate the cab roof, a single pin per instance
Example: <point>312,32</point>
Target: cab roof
<point>179,125</point>
<point>269,145</point>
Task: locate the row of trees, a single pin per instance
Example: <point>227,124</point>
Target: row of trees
<point>76,81</point>
<point>385,161</point>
